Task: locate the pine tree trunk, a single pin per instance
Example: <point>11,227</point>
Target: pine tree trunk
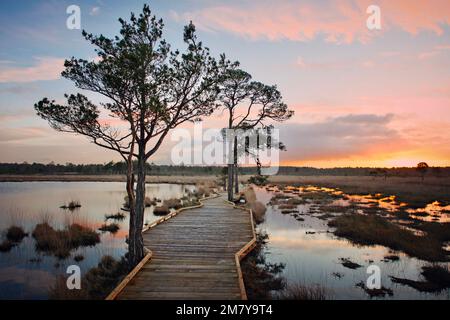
<point>230,182</point>
<point>235,167</point>
<point>236,179</point>
<point>136,242</point>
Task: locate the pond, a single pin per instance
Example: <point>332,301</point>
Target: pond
<point>313,255</point>
<point>27,273</point>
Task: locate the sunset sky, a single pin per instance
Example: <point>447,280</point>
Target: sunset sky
<point>361,97</point>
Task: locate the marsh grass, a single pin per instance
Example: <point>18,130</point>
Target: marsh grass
<point>161,210</point>
<point>118,216</point>
<point>204,189</point>
<point>436,279</point>
<point>296,201</point>
<point>172,203</point>
<point>375,292</point>
<point>287,206</point>
<point>373,230</point>
<point>257,207</point>
<point>72,205</point>
<point>412,190</point>
<point>258,211</point>
<point>299,291</point>
<point>249,195</point>
<point>191,202</point>
<point>15,234</point>
<point>61,242</point>
<point>96,284</point>
<point>346,262</point>
<point>112,228</point>
<point>6,245</point>
<point>78,258</point>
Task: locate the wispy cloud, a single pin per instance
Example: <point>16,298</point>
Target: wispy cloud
<point>94,11</point>
<point>342,137</point>
<point>336,21</point>
<point>45,68</point>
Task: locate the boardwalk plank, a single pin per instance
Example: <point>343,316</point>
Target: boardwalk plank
<point>193,255</point>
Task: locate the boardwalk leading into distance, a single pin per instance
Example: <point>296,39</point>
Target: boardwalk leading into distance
<point>194,255</point>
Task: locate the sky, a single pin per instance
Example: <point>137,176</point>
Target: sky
<point>361,97</point>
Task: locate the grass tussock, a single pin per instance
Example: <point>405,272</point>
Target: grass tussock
<point>72,205</point>
<point>204,189</point>
<point>249,195</point>
<point>346,262</point>
<point>6,245</point>
<point>161,210</point>
<point>96,284</point>
<point>373,230</point>
<point>112,228</point>
<point>287,206</point>
<point>61,242</point>
<point>436,279</point>
<point>173,203</point>
<point>375,292</point>
<point>259,211</point>
<point>117,216</point>
<point>297,291</point>
<point>191,202</point>
<point>149,202</point>
<point>15,234</point>
<point>78,258</point>
<point>296,201</point>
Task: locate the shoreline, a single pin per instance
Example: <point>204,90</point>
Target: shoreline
<point>412,190</point>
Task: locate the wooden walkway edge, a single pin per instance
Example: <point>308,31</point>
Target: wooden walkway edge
<point>195,256</point>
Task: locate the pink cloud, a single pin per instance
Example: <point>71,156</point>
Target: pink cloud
<point>45,68</point>
<point>341,21</point>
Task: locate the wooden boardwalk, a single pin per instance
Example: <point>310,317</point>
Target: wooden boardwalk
<point>194,255</point>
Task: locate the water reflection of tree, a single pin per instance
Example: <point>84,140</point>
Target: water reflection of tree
<point>261,278</point>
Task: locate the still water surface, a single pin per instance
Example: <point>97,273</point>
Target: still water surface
<point>28,274</point>
<point>311,254</point>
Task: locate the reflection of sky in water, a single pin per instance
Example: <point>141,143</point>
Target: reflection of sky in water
<point>313,258</point>
<point>28,203</point>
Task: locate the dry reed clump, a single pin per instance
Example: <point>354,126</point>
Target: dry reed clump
<point>73,204</point>
<point>296,201</point>
<point>61,242</point>
<point>249,195</point>
<point>147,202</point>
<point>161,210</point>
<point>15,234</point>
<point>204,189</point>
<point>287,206</point>
<point>78,258</point>
<point>191,202</point>
<point>259,211</point>
<point>258,208</point>
<point>437,279</point>
<point>375,292</point>
<point>6,245</point>
<point>96,284</point>
<point>112,228</point>
<point>372,230</point>
<point>172,203</point>
<point>118,216</point>
<point>297,291</point>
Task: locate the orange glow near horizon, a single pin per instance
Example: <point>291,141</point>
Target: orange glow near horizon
<point>368,163</point>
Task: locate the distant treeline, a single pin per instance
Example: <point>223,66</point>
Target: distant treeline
<point>153,169</point>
